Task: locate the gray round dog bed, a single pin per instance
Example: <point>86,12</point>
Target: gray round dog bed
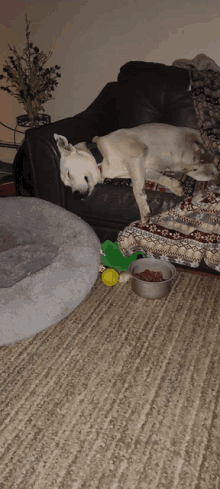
<point>49,261</point>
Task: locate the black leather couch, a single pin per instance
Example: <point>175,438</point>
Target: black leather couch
<point>144,92</point>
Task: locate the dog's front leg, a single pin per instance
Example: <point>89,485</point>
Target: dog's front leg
<point>137,174</point>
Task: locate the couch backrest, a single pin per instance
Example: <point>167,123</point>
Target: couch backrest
<point>154,92</point>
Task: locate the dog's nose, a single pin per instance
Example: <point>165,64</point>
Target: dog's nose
<point>77,195</point>
<point>86,179</point>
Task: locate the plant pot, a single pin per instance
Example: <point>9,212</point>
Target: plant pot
<point>40,120</point>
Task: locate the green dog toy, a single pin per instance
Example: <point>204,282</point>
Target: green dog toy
<point>112,257</point>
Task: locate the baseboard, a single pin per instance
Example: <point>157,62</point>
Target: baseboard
<point>7,187</point>
<point>6,167</point>
<point>189,270</point>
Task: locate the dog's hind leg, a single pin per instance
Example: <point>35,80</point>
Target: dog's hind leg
<point>171,183</point>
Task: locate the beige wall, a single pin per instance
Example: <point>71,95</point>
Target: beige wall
<point>90,42</point>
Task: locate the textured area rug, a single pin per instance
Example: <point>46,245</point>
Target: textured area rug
<point>122,394</point>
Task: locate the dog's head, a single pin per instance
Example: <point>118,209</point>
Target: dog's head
<point>78,168</point>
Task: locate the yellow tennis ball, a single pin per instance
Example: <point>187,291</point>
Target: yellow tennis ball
<point>110,277</point>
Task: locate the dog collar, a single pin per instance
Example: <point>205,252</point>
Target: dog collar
<point>95,151</point>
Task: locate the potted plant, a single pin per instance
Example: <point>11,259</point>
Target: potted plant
<point>32,82</point>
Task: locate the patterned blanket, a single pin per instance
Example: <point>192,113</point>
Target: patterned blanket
<point>189,232</point>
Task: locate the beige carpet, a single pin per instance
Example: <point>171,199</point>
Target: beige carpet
<point>123,394</point>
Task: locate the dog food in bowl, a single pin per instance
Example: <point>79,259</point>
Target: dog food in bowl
<point>153,288</point>
<point>150,276</point>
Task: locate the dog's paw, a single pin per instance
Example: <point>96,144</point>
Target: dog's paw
<point>145,219</point>
<point>178,189</point>
<point>198,197</point>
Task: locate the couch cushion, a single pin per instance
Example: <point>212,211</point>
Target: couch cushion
<point>116,204</point>
<point>135,107</point>
<point>181,110</point>
<point>172,74</point>
<point>106,101</point>
<point>146,90</point>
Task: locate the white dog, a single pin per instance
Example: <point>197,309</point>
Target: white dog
<point>140,153</point>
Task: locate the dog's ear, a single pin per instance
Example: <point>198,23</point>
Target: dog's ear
<point>63,144</point>
<point>61,139</point>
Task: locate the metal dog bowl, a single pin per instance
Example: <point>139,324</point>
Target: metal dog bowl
<point>152,290</point>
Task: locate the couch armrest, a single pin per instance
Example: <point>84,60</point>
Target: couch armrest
<point>36,166</point>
